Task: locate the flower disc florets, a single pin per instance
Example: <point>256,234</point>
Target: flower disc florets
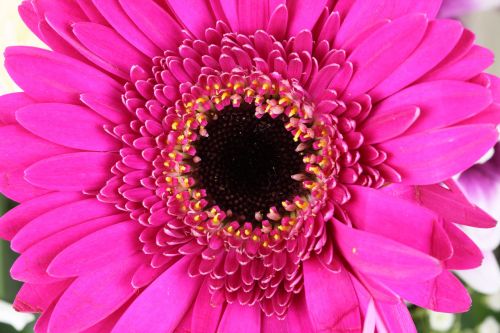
<point>204,146</point>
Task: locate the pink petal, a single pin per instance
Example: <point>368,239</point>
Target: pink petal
<point>15,187</point>
<point>240,318</point>
<point>38,297</point>
<point>89,254</point>
<point>340,310</point>
<point>387,125</point>
<point>439,40</point>
<point>364,14</point>
<point>278,22</point>
<point>466,254</point>
<point>229,8</point>
<point>103,291</point>
<point>273,325</point>
<point>154,22</point>
<point>72,172</point>
<point>58,219</point>
<point>380,257</point>
<point>109,108</point>
<point>19,148</point>
<point>62,23</point>
<point>400,220</point>
<point>445,293</point>
<point>206,316</point>
<point>303,14</point>
<point>30,67</point>
<point>471,64</point>
<point>252,15</point>
<point>15,219</point>
<point>9,104</point>
<point>431,157</point>
<point>447,201</point>
<point>32,265</point>
<point>116,17</point>
<point>197,21</point>
<point>465,99</point>
<point>91,11</point>
<point>298,319</point>
<point>168,298</point>
<point>68,125</point>
<point>394,318</point>
<point>109,45</point>
<point>395,41</point>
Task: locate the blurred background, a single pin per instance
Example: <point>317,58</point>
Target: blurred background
<point>478,15</point>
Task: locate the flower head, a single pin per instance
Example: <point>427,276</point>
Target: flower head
<point>242,166</point>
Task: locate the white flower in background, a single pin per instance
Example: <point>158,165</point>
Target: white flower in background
<point>493,302</point>
<point>441,322</point>
<point>454,8</point>
<point>17,320</point>
<point>489,325</point>
<point>482,186</point>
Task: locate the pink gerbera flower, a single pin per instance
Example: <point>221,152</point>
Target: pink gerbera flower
<point>242,166</point>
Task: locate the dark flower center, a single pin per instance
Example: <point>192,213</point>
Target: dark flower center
<point>247,163</point>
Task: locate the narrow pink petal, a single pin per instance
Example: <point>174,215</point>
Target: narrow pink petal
<point>154,22</point>
<point>38,297</point>
<point>298,318</point>
<point>116,17</point>
<point>91,11</point>
<point>466,254</point>
<point>206,316</point>
<point>109,45</point>
<point>72,172</point>
<point>394,318</point>
<point>68,125</point>
<point>32,265</point>
<point>303,14</point>
<point>15,187</point>
<point>240,318</point>
<point>60,5</point>
<point>364,14</point>
<point>197,21</point>
<point>340,311</point>
<point>439,40</point>
<point>490,115</point>
<point>387,125</point>
<point>278,22</point>
<point>273,325</point>
<point>380,257</point>
<point>58,219</point>
<point>30,67</point>
<point>403,221</point>
<point>62,23</point>
<point>465,99</point>
<point>452,205</point>
<point>370,318</point>
<point>15,219</point>
<point>395,41</point>
<point>9,104</point>
<point>116,242</point>
<point>434,156</point>
<point>230,10</point>
<point>30,17</point>
<point>19,148</point>
<point>110,108</point>
<point>252,16</point>
<point>104,292</point>
<point>445,293</point>
<point>168,298</point>
<point>477,60</point>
